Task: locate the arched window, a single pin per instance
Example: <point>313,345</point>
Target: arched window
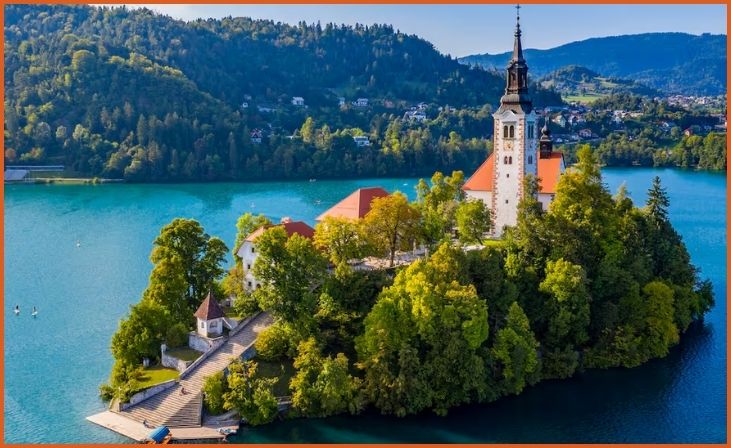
<point>505,160</point>
<point>512,131</point>
<point>505,132</point>
<point>510,160</point>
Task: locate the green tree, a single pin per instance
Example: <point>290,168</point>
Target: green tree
<point>516,352</point>
<point>322,386</point>
<point>341,238</point>
<point>474,221</point>
<point>391,224</point>
<point>289,269</point>
<point>214,388</point>
<point>191,253</point>
<point>420,347</point>
<point>251,396</point>
<point>141,333</point>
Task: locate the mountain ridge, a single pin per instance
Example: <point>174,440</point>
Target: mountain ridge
<point>669,61</point>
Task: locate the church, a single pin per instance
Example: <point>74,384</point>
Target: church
<point>518,150</point>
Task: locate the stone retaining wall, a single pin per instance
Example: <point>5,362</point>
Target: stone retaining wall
<point>147,393</point>
<point>174,363</point>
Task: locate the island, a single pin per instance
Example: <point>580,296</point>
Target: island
<point>528,270</point>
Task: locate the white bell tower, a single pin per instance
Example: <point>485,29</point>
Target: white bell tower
<point>514,142</point>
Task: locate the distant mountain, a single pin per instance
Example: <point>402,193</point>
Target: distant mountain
<point>670,62</point>
<point>576,83</point>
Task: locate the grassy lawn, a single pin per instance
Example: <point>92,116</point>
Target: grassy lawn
<point>493,243</point>
<point>584,99</point>
<point>184,353</point>
<point>277,369</point>
<point>156,375</point>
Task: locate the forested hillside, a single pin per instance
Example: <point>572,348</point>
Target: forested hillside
<point>671,62</point>
<point>134,94</point>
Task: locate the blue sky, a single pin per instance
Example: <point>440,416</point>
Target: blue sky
<point>460,30</point>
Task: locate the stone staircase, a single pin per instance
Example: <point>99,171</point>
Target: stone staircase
<point>176,409</point>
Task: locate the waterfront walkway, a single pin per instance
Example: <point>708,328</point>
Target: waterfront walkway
<point>176,409</point>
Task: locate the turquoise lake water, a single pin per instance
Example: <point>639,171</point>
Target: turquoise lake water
<point>55,363</point>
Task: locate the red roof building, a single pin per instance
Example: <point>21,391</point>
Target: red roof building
<point>549,171</point>
<point>356,205</point>
<point>291,227</point>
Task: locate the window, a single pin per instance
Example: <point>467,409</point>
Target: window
<point>248,266</point>
<point>248,284</point>
<point>531,130</point>
<point>505,132</point>
<point>506,201</point>
<point>512,131</point>
<point>510,160</point>
<point>505,160</point>
<point>203,325</point>
<point>253,249</point>
<point>508,175</point>
<point>530,160</point>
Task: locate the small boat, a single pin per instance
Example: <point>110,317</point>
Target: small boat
<point>35,312</point>
<point>16,310</point>
<point>160,435</point>
<point>78,243</point>
<point>318,202</point>
<point>313,180</point>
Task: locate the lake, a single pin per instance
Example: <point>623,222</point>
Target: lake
<point>55,363</point>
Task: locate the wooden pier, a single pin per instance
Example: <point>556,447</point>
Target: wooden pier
<point>182,412</point>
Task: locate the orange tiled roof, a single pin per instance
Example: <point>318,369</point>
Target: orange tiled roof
<point>291,228</point>
<point>356,205</point>
<point>549,171</point>
<point>484,177</point>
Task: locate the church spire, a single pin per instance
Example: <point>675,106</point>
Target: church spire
<point>516,89</point>
<point>517,46</point>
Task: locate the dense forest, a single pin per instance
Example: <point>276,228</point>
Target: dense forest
<point>671,62</point>
<point>593,282</point>
<point>133,94</point>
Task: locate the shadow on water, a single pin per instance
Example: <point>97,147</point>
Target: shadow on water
<point>585,408</point>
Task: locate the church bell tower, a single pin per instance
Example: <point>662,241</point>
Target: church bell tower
<point>515,140</point>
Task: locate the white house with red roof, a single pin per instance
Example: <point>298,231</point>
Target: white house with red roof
<point>356,205</point>
<point>517,151</point>
<point>248,253</point>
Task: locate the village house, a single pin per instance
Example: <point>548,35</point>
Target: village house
<point>263,108</point>
<point>361,102</point>
<point>248,253</point>
<point>256,135</point>
<point>415,115</point>
<point>585,133</point>
<point>518,151</point>
<point>560,120</point>
<point>688,132</point>
<point>361,140</point>
<point>245,105</point>
<point>298,101</point>
<point>341,101</point>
